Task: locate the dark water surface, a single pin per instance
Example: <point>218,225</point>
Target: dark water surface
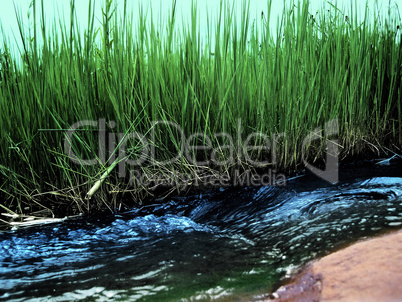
<point>234,243</point>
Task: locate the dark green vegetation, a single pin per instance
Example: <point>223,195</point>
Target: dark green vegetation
<point>315,68</point>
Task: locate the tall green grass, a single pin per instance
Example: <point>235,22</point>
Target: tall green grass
<point>313,69</point>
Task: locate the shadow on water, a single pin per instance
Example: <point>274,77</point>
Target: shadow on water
<point>238,241</point>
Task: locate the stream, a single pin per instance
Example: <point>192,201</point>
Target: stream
<point>232,244</point>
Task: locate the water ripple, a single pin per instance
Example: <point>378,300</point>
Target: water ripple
<point>196,248</point>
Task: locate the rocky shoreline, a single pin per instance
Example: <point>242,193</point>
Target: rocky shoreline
<point>369,270</point>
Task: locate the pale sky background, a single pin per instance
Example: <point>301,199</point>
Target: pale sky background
<point>61,8</point>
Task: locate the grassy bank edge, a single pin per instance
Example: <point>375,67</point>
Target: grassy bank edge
<point>315,68</point>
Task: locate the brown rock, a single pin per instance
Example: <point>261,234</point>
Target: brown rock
<point>306,288</point>
<point>369,270</point>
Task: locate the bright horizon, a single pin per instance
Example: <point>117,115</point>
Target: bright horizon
<point>56,9</point>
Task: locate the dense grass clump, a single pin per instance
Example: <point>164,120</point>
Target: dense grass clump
<point>241,79</point>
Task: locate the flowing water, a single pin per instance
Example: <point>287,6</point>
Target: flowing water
<point>233,244</point>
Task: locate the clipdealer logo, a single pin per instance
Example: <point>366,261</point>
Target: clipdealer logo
<point>112,149</point>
